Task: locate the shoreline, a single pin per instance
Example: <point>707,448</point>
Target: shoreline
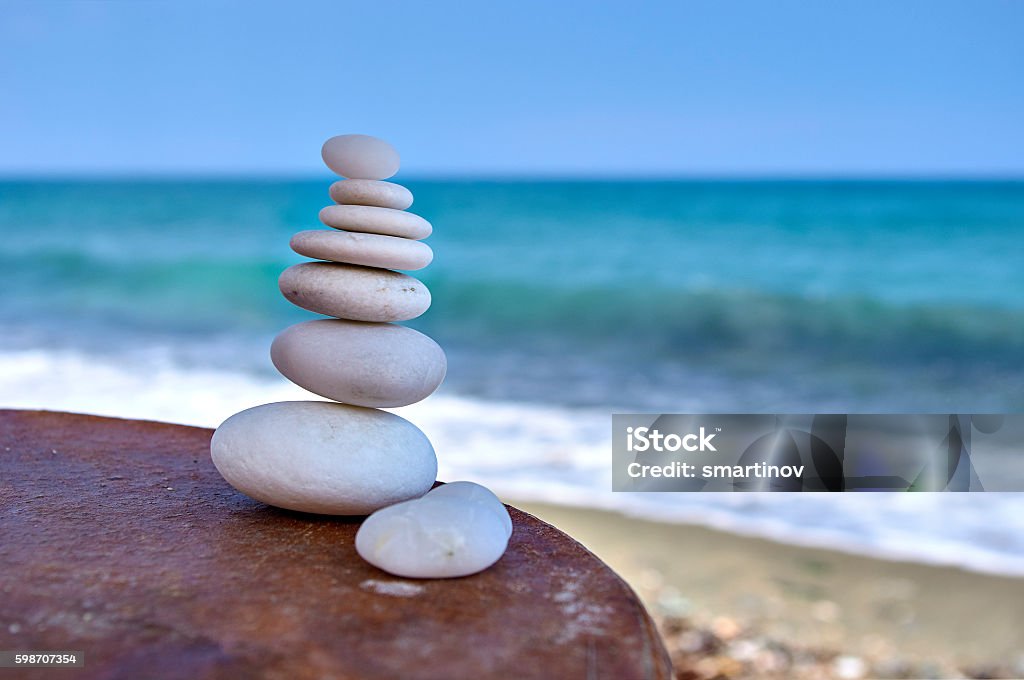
<point>939,620</point>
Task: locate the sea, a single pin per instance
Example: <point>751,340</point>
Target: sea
<point>560,303</point>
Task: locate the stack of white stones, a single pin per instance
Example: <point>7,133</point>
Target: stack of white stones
<point>349,458</point>
<point>361,357</point>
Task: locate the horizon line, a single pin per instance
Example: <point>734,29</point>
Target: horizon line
<point>219,176</point>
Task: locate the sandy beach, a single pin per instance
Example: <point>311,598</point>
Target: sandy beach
<point>733,606</point>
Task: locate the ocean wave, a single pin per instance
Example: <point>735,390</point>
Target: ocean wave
<point>662,319</point>
<point>655,349</point>
<point>648,318</point>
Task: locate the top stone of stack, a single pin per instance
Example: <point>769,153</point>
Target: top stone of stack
<point>360,157</point>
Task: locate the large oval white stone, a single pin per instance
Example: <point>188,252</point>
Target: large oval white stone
<point>371,192</point>
<point>349,291</point>
<point>365,364</point>
<point>323,457</point>
<point>433,537</point>
<point>370,250</point>
<point>360,157</point>
<point>373,220</point>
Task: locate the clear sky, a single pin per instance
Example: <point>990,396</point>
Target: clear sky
<point>555,88</point>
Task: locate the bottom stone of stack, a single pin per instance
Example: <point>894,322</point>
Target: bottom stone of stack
<point>323,457</point>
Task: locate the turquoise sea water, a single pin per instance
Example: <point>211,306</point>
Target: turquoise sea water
<point>811,296</point>
<point>559,303</point>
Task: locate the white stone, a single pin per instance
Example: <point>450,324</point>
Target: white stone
<point>370,250</point>
<point>371,192</point>
<point>360,157</point>
<point>365,364</point>
<point>374,220</point>
<point>475,493</point>
<point>349,291</point>
<point>322,457</point>
<point>849,667</point>
<point>433,537</point>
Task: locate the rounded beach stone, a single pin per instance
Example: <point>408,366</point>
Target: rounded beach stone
<point>348,291</point>
<point>370,250</point>
<point>476,493</point>
<point>366,364</point>
<point>371,192</point>
<point>433,537</point>
<point>322,457</point>
<point>360,157</point>
<point>373,220</point>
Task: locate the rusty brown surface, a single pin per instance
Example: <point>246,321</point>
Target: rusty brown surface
<point>119,538</point>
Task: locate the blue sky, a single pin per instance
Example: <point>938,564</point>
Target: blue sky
<point>521,88</point>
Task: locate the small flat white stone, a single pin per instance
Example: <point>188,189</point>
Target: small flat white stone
<point>370,250</point>
<point>321,457</point>
<point>371,192</point>
<point>432,537</point>
<point>352,292</point>
<point>372,220</point>
<point>475,493</point>
<point>360,157</point>
<point>366,364</point>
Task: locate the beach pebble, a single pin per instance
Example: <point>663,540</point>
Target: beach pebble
<point>371,250</point>
<point>323,457</point>
<point>360,157</point>
<point>433,537</point>
<point>371,192</point>
<point>366,364</point>
<point>373,220</point>
<point>474,493</point>
<point>849,667</point>
<point>353,292</point>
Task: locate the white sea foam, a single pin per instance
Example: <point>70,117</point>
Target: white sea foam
<point>543,453</point>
